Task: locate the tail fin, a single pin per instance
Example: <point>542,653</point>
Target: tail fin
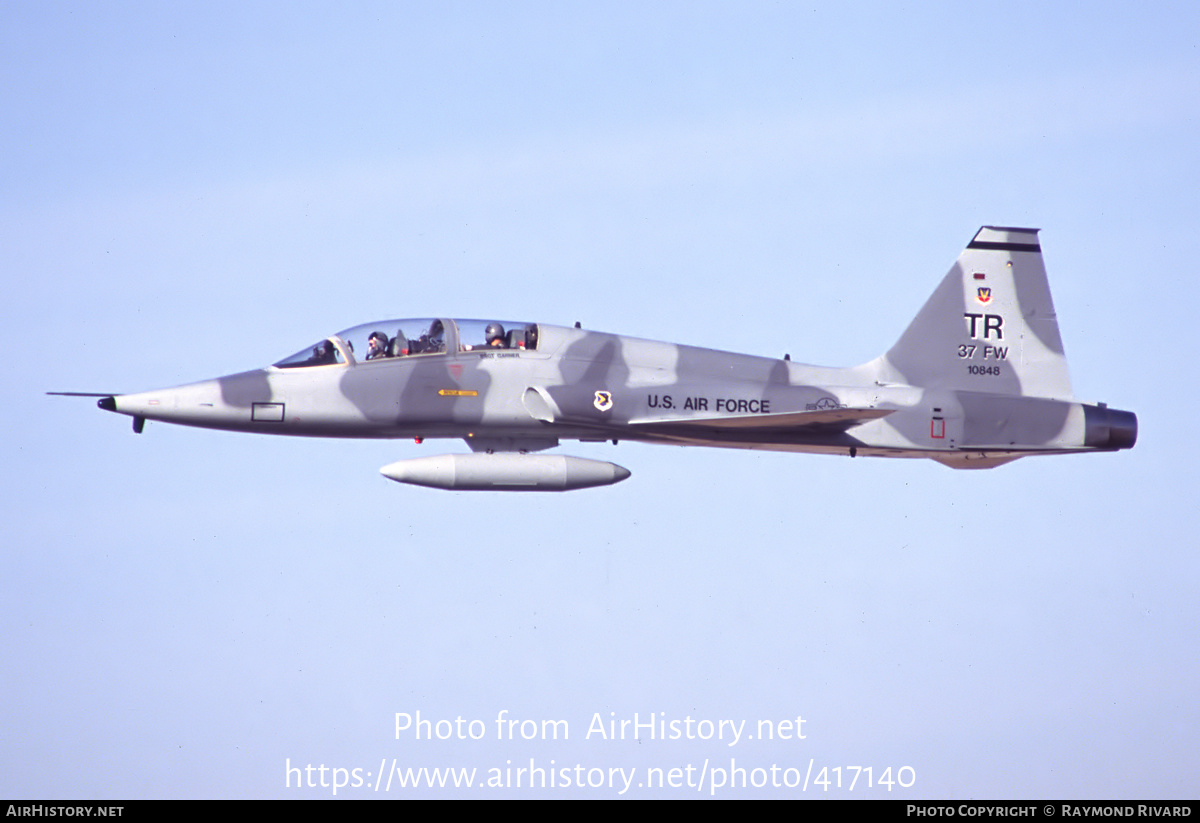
<point>990,326</point>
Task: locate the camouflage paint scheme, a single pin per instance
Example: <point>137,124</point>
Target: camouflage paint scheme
<point>978,379</point>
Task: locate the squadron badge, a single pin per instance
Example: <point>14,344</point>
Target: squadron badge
<point>603,401</point>
<point>983,294</point>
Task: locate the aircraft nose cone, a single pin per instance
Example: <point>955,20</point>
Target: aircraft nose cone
<point>107,403</point>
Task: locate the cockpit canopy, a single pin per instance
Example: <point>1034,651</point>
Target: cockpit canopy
<point>386,339</point>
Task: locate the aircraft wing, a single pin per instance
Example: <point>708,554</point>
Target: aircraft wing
<point>818,425</point>
<point>827,418</point>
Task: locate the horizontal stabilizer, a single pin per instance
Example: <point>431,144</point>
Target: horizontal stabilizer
<point>82,393</point>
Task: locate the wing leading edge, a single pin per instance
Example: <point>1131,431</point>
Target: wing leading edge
<point>826,418</point>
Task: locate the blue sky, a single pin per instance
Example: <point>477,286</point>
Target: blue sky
<point>197,189</point>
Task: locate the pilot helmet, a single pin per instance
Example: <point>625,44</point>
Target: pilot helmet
<point>494,331</point>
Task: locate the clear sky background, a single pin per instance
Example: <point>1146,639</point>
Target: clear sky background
<point>194,189</point>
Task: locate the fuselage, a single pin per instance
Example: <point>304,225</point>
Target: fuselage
<point>977,379</point>
<point>519,391</point>
<point>551,383</point>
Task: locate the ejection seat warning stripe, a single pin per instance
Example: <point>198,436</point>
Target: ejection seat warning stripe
<point>266,412</point>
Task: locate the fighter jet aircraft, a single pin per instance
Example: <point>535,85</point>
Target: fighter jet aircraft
<point>978,379</point>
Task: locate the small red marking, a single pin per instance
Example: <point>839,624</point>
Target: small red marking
<point>937,428</point>
<point>979,276</point>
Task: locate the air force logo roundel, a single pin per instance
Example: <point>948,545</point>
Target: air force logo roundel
<point>603,401</point>
<point>984,294</point>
